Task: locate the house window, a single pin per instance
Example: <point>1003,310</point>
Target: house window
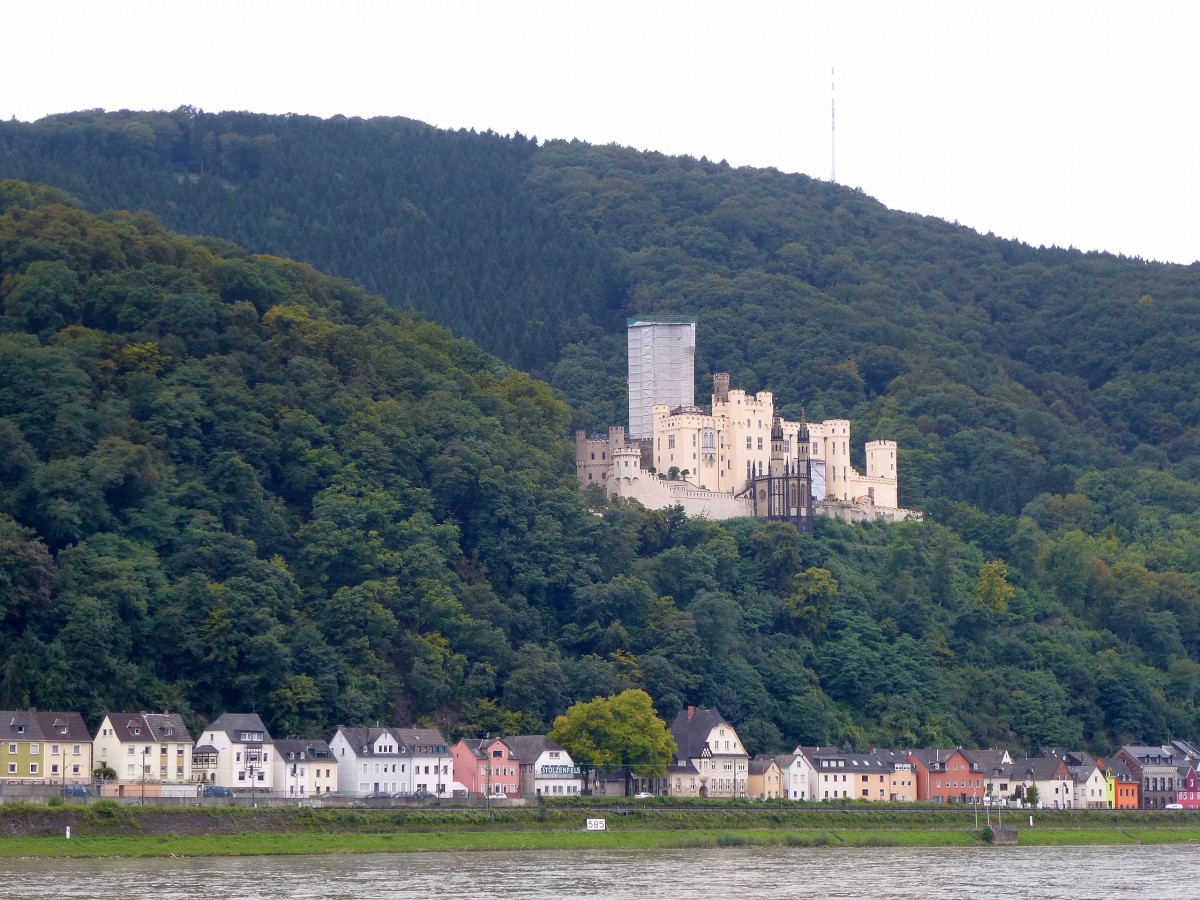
<point>12,748</point>
<point>760,443</point>
<point>33,768</point>
<point>12,768</point>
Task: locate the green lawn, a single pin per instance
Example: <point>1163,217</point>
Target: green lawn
<point>407,842</point>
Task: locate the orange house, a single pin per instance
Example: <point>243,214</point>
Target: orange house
<point>946,776</point>
<point>1123,784</point>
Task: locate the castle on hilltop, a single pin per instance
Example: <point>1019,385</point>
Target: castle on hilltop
<point>739,457</point>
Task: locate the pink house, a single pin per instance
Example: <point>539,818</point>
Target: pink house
<point>486,767</point>
<point>1188,795</point>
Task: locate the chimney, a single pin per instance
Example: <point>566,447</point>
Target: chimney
<point>691,712</point>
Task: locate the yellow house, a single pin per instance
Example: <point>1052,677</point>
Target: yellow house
<point>44,747</point>
<point>765,781</point>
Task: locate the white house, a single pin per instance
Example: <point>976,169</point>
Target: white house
<point>547,770</point>
<point>304,768</point>
<point>392,760</point>
<point>797,774</point>
<point>235,751</point>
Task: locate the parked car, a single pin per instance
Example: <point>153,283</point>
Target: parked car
<point>378,795</point>
<point>216,790</point>
<point>499,795</point>
<point>424,795</point>
<point>77,790</point>
<point>1173,806</point>
<point>644,795</point>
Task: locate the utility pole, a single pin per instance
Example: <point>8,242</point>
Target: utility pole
<point>832,127</point>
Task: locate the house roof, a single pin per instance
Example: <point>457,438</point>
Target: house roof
<point>1119,768</point>
<point>691,729</point>
<point>20,725</point>
<point>235,723</point>
<point>1038,768</point>
<point>409,741</point>
<point>893,757</point>
<point>528,747</point>
<point>421,740</point>
<point>1146,755</point>
<point>987,761</point>
<point>480,747</point>
<point>1187,750</point>
<point>761,764</point>
<point>141,726</point>
<point>291,748</point>
<point>853,762</point>
<point>64,726</point>
<point>933,758</point>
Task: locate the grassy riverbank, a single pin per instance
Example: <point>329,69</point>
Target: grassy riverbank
<point>108,829</point>
<point>461,841</point>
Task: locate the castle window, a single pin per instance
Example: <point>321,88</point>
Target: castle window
<point>670,442</point>
<point>589,476</point>
<point>760,443</point>
<point>749,443</point>
<point>593,455</point>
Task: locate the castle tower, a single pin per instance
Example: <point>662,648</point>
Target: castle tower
<point>662,369</point>
<point>721,386</point>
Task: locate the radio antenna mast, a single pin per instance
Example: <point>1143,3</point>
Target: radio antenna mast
<point>832,127</point>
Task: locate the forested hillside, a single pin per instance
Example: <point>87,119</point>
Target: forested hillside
<point>233,483</point>
<point>230,483</point>
<point>1004,371</point>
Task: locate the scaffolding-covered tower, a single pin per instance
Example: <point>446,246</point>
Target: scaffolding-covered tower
<point>662,369</point>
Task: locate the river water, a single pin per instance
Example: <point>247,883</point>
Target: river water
<point>1146,873</point>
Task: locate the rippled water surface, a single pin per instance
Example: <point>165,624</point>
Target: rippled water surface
<point>741,874</point>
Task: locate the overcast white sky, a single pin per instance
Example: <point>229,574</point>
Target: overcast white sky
<point>1053,121</point>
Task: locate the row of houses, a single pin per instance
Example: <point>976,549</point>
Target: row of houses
<point>153,754</point>
<point>711,762</point>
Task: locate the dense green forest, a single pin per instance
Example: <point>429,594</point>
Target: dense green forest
<point>228,482</point>
<point>1004,371</point>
